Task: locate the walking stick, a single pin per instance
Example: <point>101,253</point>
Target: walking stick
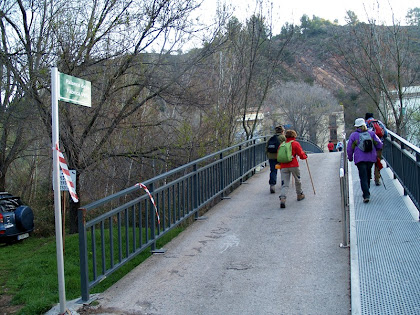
<point>383,183</point>
<point>379,165</point>
<point>310,176</point>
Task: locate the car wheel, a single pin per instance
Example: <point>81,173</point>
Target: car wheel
<point>24,218</point>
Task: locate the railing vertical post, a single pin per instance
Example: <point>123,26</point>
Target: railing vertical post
<point>418,177</point>
<point>222,174</point>
<point>153,219</point>
<point>241,163</point>
<point>343,189</point>
<point>393,148</point>
<point>254,156</point>
<point>402,166</point>
<point>195,191</point>
<point>84,275</point>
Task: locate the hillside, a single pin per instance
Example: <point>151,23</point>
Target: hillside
<point>314,60</point>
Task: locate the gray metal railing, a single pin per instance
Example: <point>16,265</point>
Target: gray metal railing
<point>308,146</point>
<point>344,188</point>
<point>403,158</point>
<point>115,229</point>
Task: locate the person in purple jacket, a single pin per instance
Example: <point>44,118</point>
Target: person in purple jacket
<point>364,160</point>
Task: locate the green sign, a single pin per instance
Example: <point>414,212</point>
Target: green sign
<point>74,90</point>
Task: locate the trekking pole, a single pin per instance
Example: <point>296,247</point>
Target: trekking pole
<point>383,183</point>
<point>310,176</point>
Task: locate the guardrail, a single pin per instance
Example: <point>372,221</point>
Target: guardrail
<point>126,223</point>
<point>344,188</point>
<point>403,158</point>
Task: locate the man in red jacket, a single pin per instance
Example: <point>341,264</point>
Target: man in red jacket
<point>292,168</point>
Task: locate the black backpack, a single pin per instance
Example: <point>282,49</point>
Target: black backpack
<point>273,144</point>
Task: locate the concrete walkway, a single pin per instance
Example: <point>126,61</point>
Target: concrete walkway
<point>249,256</point>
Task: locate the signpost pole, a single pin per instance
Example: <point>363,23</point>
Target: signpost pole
<point>57,197</point>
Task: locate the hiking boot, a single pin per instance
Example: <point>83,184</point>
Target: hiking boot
<point>378,183</point>
<point>366,200</point>
<point>272,189</point>
<point>300,197</point>
<point>282,202</point>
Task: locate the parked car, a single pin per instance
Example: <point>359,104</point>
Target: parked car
<point>16,219</point>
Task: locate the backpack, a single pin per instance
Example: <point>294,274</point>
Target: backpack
<point>284,154</point>
<point>377,128</point>
<point>273,144</point>
<point>365,142</point>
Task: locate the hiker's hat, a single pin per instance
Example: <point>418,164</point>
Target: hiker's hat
<point>368,115</point>
<point>359,122</point>
<point>279,128</point>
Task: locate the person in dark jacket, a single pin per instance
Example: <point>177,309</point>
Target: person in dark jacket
<point>363,160</point>
<point>369,124</point>
<point>272,159</point>
<point>292,168</point>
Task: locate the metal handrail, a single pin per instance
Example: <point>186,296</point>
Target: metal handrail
<point>403,158</point>
<point>127,222</point>
<point>344,188</point>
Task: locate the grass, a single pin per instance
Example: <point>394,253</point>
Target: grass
<point>28,273</point>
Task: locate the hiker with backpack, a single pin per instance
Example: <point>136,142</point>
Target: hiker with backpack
<point>361,148</point>
<point>380,130</point>
<point>287,156</point>
<point>271,150</point>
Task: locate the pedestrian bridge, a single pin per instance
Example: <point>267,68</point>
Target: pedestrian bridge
<point>327,254</point>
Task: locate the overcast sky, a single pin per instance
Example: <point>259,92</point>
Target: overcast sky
<point>292,10</point>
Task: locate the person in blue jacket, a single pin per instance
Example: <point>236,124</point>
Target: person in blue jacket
<point>363,160</point>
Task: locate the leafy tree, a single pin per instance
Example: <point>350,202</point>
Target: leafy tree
<point>413,17</point>
<point>351,18</point>
<point>314,26</point>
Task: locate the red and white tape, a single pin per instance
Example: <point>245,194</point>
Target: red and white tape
<point>66,173</point>
<point>151,199</point>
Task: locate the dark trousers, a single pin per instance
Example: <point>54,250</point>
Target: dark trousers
<point>273,172</point>
<point>365,175</point>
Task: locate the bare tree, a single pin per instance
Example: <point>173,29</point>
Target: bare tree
<point>105,43</point>
<point>249,63</point>
<point>379,59</point>
<point>303,107</point>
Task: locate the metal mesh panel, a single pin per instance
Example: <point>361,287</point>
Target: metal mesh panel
<point>389,256</point>
<point>388,246</point>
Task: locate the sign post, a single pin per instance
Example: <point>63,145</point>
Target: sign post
<point>77,91</point>
<point>57,197</point>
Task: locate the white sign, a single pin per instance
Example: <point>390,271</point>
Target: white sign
<point>63,184</point>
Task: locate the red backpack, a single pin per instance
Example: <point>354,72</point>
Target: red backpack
<point>377,128</point>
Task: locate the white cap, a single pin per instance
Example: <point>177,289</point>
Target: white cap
<point>359,122</point>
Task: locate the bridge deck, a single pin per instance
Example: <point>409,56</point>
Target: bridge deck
<point>385,249</point>
<point>251,257</point>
